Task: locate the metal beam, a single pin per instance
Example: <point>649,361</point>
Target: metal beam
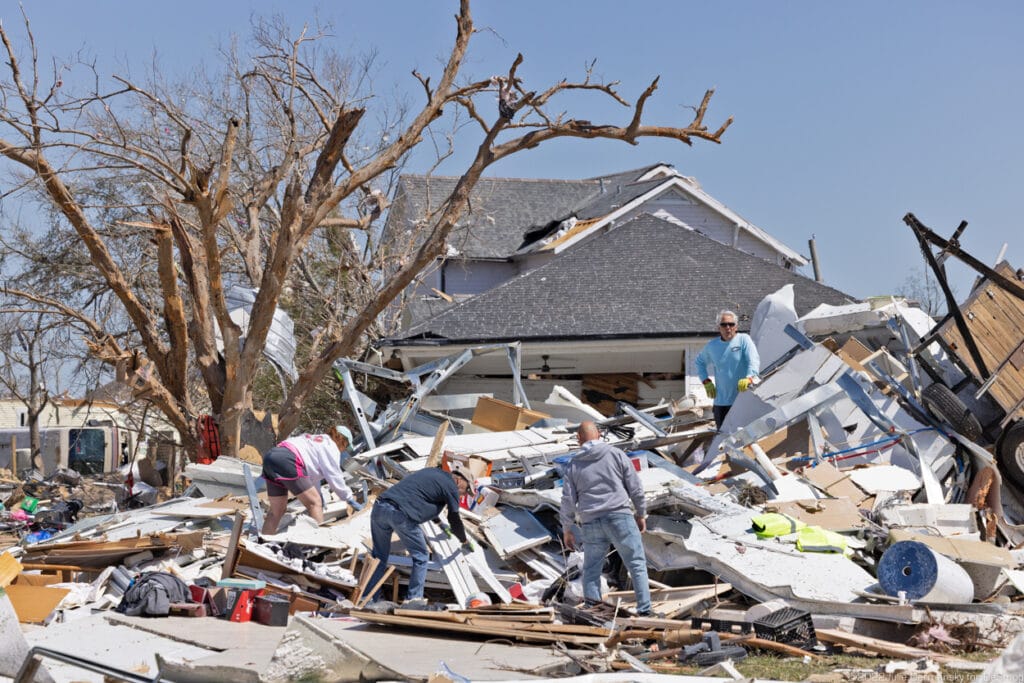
<point>924,236</point>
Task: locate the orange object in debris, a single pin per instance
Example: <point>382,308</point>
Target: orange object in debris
<point>209,440</point>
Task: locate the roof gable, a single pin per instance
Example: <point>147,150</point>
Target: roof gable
<point>648,277</point>
<point>501,210</point>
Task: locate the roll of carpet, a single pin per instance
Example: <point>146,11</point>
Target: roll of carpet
<point>923,575</point>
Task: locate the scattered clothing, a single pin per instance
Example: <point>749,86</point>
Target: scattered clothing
<point>152,594</point>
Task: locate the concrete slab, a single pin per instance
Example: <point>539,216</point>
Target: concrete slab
<point>13,644</point>
<point>231,651</point>
<point>347,649</point>
<point>117,645</point>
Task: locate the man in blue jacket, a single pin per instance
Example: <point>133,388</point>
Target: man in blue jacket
<point>734,359</point>
<point>419,497</point>
<point>600,486</point>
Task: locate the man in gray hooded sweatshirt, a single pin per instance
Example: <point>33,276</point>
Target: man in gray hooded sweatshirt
<point>598,486</point>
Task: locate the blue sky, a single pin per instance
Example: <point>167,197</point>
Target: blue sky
<point>847,115</point>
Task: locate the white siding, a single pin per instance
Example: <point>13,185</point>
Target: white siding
<point>706,221</point>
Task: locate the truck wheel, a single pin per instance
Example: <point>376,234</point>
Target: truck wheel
<point>1011,454</point>
<point>945,405</point>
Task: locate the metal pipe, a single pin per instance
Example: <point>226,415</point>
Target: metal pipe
<point>814,259</point>
<point>36,654</point>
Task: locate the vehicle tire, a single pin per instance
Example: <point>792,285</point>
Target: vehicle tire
<point>945,405</point>
<point>1010,454</point>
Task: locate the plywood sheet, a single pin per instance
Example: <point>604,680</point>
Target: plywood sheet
<point>9,569</point>
<point>827,478</point>
<point>33,604</point>
<point>962,550</point>
<point>995,319</point>
<point>834,514</point>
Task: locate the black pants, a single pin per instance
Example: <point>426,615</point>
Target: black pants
<point>720,413</point>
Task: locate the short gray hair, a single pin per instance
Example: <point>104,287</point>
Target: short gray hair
<point>724,313</point>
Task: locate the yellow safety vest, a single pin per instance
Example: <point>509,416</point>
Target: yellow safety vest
<point>772,524</point>
<point>814,539</point>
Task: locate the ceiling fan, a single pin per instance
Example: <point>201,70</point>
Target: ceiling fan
<point>546,368</point>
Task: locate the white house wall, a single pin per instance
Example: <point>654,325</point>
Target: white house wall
<point>14,414</point>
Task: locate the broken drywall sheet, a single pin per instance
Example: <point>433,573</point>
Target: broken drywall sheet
<point>225,476</point>
<point>511,530</point>
<point>349,532</point>
<point>943,519</point>
<point>879,478</point>
<point>725,545</point>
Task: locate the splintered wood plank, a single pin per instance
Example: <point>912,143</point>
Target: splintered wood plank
<point>676,602</point>
<point>883,647</point>
<point>437,447</point>
<point>513,631</point>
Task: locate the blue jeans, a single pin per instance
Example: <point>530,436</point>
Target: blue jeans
<point>386,518</point>
<point>618,529</point>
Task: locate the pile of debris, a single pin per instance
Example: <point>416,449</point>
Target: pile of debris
<point>854,499</point>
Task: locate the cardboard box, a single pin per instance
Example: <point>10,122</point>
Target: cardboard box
<point>477,466</point>
<point>502,416</point>
<point>301,604</point>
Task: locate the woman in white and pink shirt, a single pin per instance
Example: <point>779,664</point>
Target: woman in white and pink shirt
<point>297,465</point>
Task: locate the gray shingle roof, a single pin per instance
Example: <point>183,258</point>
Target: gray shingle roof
<point>626,177</point>
<point>502,210</point>
<point>647,277</point>
<point>617,196</point>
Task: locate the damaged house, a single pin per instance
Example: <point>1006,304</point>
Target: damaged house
<point>611,284</point>
<point>842,509</point>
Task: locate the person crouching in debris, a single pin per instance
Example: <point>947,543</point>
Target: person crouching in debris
<point>736,364</point>
<point>297,465</point>
<point>598,485</point>
<point>416,499</point>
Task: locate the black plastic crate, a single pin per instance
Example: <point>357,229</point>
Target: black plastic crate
<point>787,625</point>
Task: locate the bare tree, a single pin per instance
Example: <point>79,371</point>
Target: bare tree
<point>922,287</point>
<point>252,177</point>
<point>32,356</point>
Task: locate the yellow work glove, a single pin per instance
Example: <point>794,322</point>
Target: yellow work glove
<point>745,383</point>
<point>709,387</point>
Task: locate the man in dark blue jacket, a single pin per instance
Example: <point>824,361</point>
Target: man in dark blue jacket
<point>417,498</point>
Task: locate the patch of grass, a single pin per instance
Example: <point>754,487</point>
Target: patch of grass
<point>782,668</point>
